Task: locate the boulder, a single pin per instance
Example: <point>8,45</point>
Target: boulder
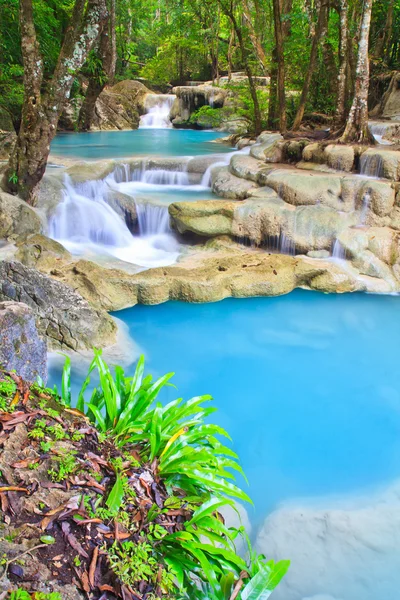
<point>336,156</point>
<point>226,185</point>
<point>207,218</point>
<point>17,218</point>
<point>21,347</point>
<point>62,315</point>
<point>40,252</point>
<point>267,148</point>
<point>246,167</point>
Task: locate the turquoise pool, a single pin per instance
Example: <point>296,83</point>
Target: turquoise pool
<point>152,142</point>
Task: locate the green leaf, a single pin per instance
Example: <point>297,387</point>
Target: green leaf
<point>66,381</point>
<point>155,431</point>
<point>261,586</point>
<point>208,508</point>
<point>116,495</point>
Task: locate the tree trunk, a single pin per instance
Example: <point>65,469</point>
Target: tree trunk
<point>228,9</point>
<point>319,32</point>
<point>41,112</point>
<point>280,82</point>
<point>255,38</point>
<point>357,122</point>
<point>340,115</point>
<point>98,81</point>
<point>272,103</point>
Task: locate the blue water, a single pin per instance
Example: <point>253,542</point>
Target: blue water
<point>152,142</point>
<point>307,384</point>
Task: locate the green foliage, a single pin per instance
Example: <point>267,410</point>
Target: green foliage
<point>133,563</point>
<point>8,389</point>
<point>21,594</point>
<point>206,117</point>
<point>244,104</point>
<point>176,442</point>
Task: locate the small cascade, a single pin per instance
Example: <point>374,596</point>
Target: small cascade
<point>378,130</point>
<point>160,177</point>
<point>338,251</point>
<point>365,208</point>
<point>152,219</point>
<point>371,165</point>
<point>84,222</point>
<point>84,217</point>
<point>158,107</point>
<point>280,244</point>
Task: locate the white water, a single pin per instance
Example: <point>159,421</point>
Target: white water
<point>158,108</point>
<point>338,251</point>
<point>378,130</point>
<point>206,179</point>
<point>371,165</point>
<point>84,222</point>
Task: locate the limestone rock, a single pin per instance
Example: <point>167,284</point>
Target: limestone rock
<point>226,185</point>
<point>21,347</point>
<point>267,149</point>
<point>40,252</point>
<point>210,218</point>
<point>245,167</point>
<point>336,156</point>
<point>61,313</point>
<point>17,218</point>
<point>119,107</point>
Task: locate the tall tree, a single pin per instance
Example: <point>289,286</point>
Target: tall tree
<point>280,58</point>
<point>319,32</point>
<point>357,122</point>
<point>340,115</point>
<point>102,69</point>
<point>229,9</point>
<point>41,110</point>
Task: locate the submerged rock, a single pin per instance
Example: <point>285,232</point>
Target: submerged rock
<point>21,347</point>
<point>351,544</point>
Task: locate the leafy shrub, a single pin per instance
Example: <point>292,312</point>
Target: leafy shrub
<point>176,444</point>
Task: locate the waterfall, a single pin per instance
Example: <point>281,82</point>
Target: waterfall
<point>338,251</point>
<point>84,222</point>
<point>158,107</point>
<point>152,219</point>
<point>378,130</point>
<point>365,207</point>
<point>371,165</point>
<point>160,177</point>
<point>84,217</point>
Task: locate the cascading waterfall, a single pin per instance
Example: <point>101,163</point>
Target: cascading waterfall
<point>85,222</point>
<point>158,107</point>
<point>161,177</point>
<point>371,165</point>
<point>338,251</point>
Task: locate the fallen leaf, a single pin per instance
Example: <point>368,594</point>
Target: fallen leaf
<point>85,582</point>
<point>92,568</point>
<point>73,542</point>
<point>12,488</point>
